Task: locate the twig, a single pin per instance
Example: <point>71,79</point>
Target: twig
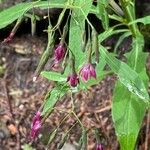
<point>147,130</point>
<point>6,91</point>
<point>7,97</point>
<point>103,109</point>
<point>18,145</point>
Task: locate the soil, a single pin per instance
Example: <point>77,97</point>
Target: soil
<point>20,98</point>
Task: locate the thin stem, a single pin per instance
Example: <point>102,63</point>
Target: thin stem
<point>63,120</point>
<point>48,11</point>
<point>90,52</point>
<point>129,11</point>
<point>78,120</point>
<point>71,127</point>
<point>72,100</point>
<point>72,64</point>
<point>116,7</point>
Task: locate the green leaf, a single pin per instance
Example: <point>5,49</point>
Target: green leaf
<point>27,147</point>
<point>9,15</point>
<point>77,24</point>
<point>102,4</point>
<point>127,76</point>
<point>144,20</point>
<point>83,140</point>
<point>81,11</point>
<point>52,136</point>
<point>54,76</point>
<point>128,112</point>
<point>136,55</point>
<point>75,42</point>
<point>127,109</point>
<point>117,18</point>
<point>54,95</point>
<point>109,33</point>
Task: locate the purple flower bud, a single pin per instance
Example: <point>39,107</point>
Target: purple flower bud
<point>99,147</point>
<point>87,71</point>
<point>73,80</point>
<point>36,125</point>
<point>59,53</point>
<point>9,38</point>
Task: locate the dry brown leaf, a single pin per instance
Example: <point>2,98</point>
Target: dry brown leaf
<point>13,129</point>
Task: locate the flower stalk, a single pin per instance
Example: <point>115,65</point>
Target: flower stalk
<point>46,54</point>
<point>14,30</point>
<point>95,44</point>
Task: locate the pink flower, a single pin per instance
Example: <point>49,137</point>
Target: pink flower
<point>9,38</point>
<point>73,80</point>
<point>59,53</point>
<point>36,125</point>
<point>99,147</point>
<point>87,71</point>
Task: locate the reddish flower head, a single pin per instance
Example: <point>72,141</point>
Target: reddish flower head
<point>59,53</point>
<point>73,80</point>
<point>87,71</point>
<point>36,125</point>
<point>99,147</point>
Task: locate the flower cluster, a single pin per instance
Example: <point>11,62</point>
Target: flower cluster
<point>99,147</point>
<point>87,71</point>
<point>36,125</point>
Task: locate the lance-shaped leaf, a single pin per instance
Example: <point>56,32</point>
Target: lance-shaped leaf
<point>102,4</point>
<point>79,15</point>
<point>54,76</point>
<point>52,136</point>
<point>127,76</point>
<point>54,95</point>
<point>127,109</point>
<point>128,112</point>
<point>9,15</point>
<point>104,35</point>
<point>144,20</point>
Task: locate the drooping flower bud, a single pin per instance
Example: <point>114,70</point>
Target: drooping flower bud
<point>9,38</point>
<point>73,80</point>
<point>87,71</point>
<point>99,147</point>
<point>36,125</point>
<point>59,53</point>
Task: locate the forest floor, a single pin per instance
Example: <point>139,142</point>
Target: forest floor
<point>20,98</point>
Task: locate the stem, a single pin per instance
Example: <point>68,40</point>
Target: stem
<point>72,65</point>
<point>90,52</point>
<point>129,11</point>
<point>71,127</point>
<point>116,7</point>
<point>65,31</point>
<point>78,120</point>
